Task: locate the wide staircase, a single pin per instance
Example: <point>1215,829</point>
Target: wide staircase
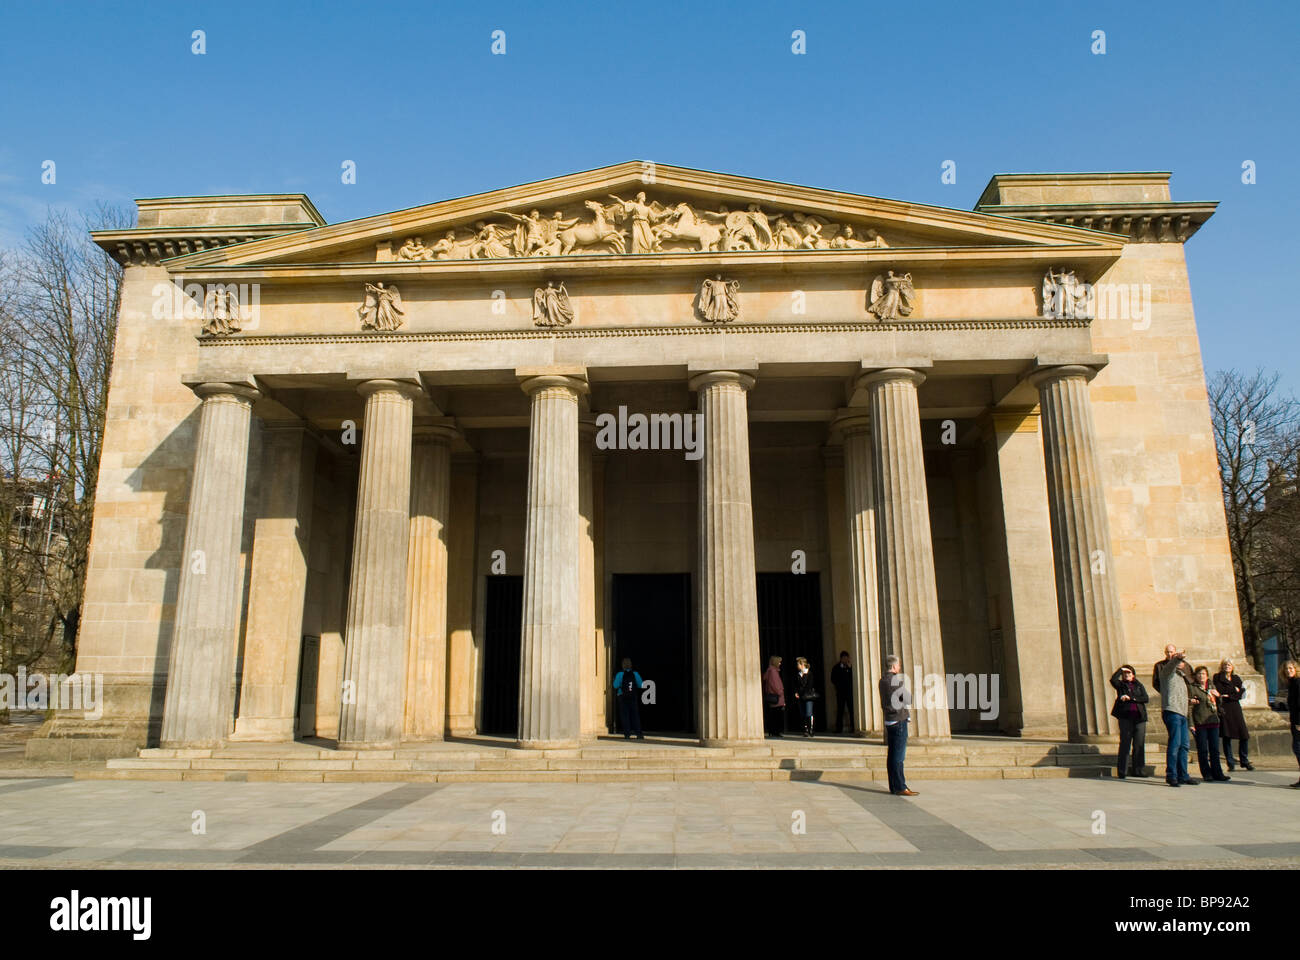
<point>485,759</point>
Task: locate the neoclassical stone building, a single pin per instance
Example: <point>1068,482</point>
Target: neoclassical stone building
<point>359,482</point>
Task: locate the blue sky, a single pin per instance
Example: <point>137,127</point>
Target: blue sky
<point>885,93</point>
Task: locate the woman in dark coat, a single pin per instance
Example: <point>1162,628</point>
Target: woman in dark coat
<point>1291,680</point>
<point>1131,711</point>
<point>805,692</point>
<point>1232,723</point>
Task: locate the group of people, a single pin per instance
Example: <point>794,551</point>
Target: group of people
<point>895,699</point>
<point>1192,704</point>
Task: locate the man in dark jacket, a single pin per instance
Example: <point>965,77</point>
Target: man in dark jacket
<point>842,681</point>
<point>895,699</point>
<point>1131,711</point>
<point>628,683</point>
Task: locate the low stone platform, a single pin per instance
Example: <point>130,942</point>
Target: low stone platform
<point>612,759</point>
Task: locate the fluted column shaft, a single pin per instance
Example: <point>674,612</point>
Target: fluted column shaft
<point>550,675</point>
<point>860,511</point>
<point>908,597</point>
<point>426,586</point>
<point>198,707</point>
<point>277,586</point>
<point>375,660</point>
<point>731,700</point>
<point>1091,631</point>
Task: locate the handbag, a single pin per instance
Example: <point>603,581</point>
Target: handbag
<point>770,699</point>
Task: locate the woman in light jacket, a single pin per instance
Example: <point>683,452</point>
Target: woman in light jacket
<point>774,698</point>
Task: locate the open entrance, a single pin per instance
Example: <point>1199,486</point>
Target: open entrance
<point>790,626</point>
<point>652,625</point>
<point>502,637</point>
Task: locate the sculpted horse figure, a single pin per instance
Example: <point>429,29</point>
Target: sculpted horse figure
<point>685,225</point>
<point>588,234</point>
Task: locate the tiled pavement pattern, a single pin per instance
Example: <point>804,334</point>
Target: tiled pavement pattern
<point>980,823</point>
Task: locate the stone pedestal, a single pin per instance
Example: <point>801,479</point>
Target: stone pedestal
<point>198,708</point>
<point>730,671</point>
<point>860,513</point>
<point>908,597</point>
<point>550,672</point>
<point>374,667</point>
<point>1091,633</point>
<point>426,585</point>
<point>278,586</point>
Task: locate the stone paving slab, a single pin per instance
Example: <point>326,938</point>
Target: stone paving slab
<point>791,824</point>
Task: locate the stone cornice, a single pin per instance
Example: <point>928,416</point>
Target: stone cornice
<point>595,265</point>
<point>1139,221</point>
<point>152,245</point>
<point>579,333</point>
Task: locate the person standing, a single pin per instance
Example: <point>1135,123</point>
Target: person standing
<point>895,699</point>
<point>805,694</point>
<point>1291,679</point>
<point>1205,719</point>
<point>1232,722</point>
<point>1130,710</point>
<point>628,683</point>
<point>1173,678</point>
<point>774,698</point>
<point>842,681</point>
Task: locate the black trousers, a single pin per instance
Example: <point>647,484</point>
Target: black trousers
<point>844,701</point>
<point>1243,749</point>
<point>629,714</point>
<point>1132,740</point>
<point>775,717</point>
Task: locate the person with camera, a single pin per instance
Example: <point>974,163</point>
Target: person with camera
<point>1130,710</point>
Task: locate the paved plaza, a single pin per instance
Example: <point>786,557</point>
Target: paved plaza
<point>1077,822</point>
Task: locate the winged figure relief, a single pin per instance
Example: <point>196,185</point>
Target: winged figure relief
<point>720,300</point>
<point>382,309</point>
<point>892,296</point>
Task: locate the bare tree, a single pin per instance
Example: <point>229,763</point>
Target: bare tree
<point>1257,435</point>
<point>59,301</point>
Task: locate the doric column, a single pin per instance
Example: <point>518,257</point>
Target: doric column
<point>731,701</point>
<point>374,665</point>
<point>593,685</point>
<point>462,653</point>
<point>424,717</point>
<point>550,676</point>
<point>198,706</point>
<point>277,585</point>
<point>908,598</point>
<point>860,512</point>
<point>1091,633</point>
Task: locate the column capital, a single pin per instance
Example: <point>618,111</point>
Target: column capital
<point>410,389</point>
<point>849,421</point>
<point>443,430</point>
<point>240,391</point>
<point>708,377</point>
<point>890,374</point>
<point>1065,371</point>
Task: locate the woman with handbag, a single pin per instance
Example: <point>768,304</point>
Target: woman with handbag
<point>805,694</point>
<point>774,698</point>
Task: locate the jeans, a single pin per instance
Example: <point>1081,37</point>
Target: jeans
<point>1207,752</point>
<point>1132,738</point>
<point>844,701</point>
<point>896,738</point>
<point>629,714</point>
<point>1176,751</point>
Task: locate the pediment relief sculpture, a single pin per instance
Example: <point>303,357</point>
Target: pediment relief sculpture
<point>551,306</point>
<point>221,312</point>
<point>382,310</point>
<point>892,296</point>
<point>719,300</point>
<point>639,225</point>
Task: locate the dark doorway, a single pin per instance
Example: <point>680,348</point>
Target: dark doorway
<point>790,626</point>
<point>652,625</point>
<point>502,636</point>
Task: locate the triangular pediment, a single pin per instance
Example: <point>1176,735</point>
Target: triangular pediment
<point>638,208</point>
